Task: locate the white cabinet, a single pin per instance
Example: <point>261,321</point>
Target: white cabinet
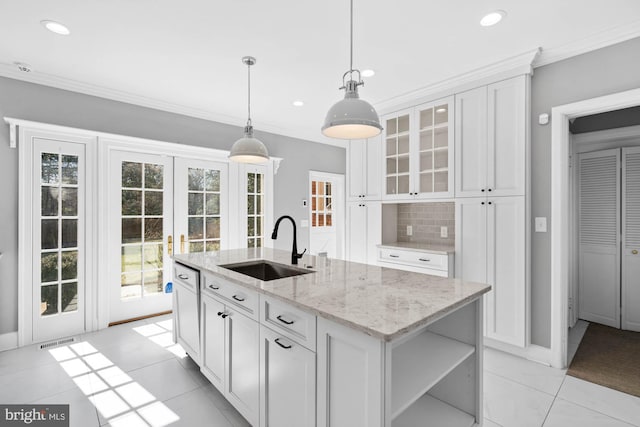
<point>213,341</point>
<point>490,248</point>
<point>418,152</point>
<point>288,382</point>
<point>186,306</point>
<point>364,231</point>
<point>419,261</point>
<point>490,139</point>
<point>363,169</point>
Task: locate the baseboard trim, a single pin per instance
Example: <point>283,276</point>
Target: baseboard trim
<point>533,352</point>
<point>9,341</point>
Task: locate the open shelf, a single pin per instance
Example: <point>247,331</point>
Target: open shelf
<point>431,412</point>
<point>420,363</point>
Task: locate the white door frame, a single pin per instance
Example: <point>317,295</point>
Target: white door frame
<point>341,211</point>
<point>560,151</point>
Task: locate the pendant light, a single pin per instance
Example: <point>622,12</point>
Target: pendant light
<point>249,149</point>
<point>352,117</point>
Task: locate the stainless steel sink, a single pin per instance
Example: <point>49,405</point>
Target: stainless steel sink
<point>265,270</point>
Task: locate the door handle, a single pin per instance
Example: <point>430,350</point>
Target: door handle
<point>170,244</point>
<point>182,243</point>
<point>635,252</point>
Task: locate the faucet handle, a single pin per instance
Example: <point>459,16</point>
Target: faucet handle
<point>302,254</point>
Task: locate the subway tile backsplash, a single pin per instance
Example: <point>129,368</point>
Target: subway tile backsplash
<point>426,220</point>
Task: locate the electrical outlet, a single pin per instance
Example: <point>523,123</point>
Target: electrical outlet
<point>541,224</point>
<point>409,230</point>
<point>444,232</point>
<point>304,223</point>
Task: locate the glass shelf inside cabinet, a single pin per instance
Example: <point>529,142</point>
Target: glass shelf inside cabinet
<point>397,148</point>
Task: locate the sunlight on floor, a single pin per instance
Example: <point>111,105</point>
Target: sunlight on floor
<point>161,333</point>
<point>118,398</point>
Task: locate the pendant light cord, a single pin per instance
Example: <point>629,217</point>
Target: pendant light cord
<point>351,47</point>
<point>249,94</point>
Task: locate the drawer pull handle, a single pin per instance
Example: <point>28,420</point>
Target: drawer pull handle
<point>286,347</point>
<point>425,259</point>
<point>394,256</point>
<point>283,320</point>
<point>215,288</point>
<point>183,276</point>
<point>235,297</point>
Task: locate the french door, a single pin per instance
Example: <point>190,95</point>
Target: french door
<point>327,212</point>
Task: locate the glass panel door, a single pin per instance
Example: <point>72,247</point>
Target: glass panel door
<point>59,215</point>
<point>255,209</point>
<point>434,149</point>
<point>397,148</point>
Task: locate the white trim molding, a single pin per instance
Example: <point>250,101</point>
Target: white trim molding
<point>9,341</point>
<point>560,145</point>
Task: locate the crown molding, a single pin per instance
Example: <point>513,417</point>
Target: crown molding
<point>510,67</point>
<point>604,38</point>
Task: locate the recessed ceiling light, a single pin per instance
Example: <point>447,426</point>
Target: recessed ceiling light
<point>298,103</point>
<point>441,110</point>
<point>492,18</point>
<point>25,68</point>
<point>368,73</point>
<point>56,27</point>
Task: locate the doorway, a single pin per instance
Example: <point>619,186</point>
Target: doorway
<point>327,214</point>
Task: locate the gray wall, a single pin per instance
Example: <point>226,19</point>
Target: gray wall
<point>44,104</point>
<point>601,72</point>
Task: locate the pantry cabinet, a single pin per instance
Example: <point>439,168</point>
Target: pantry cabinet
<point>364,231</point>
<point>363,165</point>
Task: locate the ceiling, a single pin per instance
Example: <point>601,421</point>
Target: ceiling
<point>185,56</point>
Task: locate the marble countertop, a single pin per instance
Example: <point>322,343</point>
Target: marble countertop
<point>422,247</point>
<point>382,302</point>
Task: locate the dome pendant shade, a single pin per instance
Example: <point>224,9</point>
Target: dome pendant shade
<point>249,149</point>
<point>352,117</point>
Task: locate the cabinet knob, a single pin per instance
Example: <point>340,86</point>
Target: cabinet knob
<point>224,315</point>
<point>219,313</point>
<point>482,190</point>
<point>490,203</point>
<point>482,203</point>
<point>489,189</point>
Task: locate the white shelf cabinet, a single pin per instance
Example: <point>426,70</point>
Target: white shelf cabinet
<point>186,316</point>
<point>418,154</point>
<point>490,248</point>
<point>431,412</point>
<point>364,231</point>
<point>491,139</point>
<point>363,169</point>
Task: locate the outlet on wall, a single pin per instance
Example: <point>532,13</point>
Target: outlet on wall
<point>444,232</point>
<point>409,230</point>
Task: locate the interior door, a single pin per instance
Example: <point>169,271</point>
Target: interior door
<point>599,237</point>
<point>631,239</point>
<point>59,241</point>
<point>140,230</point>
<point>327,213</point>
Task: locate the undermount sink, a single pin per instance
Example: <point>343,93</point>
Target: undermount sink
<point>265,270</point>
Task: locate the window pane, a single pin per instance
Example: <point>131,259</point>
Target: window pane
<point>131,202</point>
<point>49,267</point>
<point>69,169</point>
<point>320,220</point>
<point>131,258</point>
<point>212,180</point>
<point>131,175</point>
<point>313,203</point>
<point>251,229</point>
<point>196,202</point>
<point>213,228</point>
<point>251,183</point>
<point>152,256</point>
<point>258,243</point>
<point>49,300</point>
<point>196,247</point>
<point>153,229</point>
<point>69,265</point>
<point>213,204</point>
<point>313,220</point>
<point>259,205</point>
<point>69,201</point>
<point>49,234</point>
<point>213,246</point>
<point>196,179</point>
<point>153,202</point>
<point>70,296</point>
<point>259,226</point>
<point>69,233</point>
<point>320,188</point>
<point>50,168</point>
<point>259,182</point>
<point>153,176</point>
<point>251,243</point>
<point>328,220</point>
<point>320,203</point>
<point>196,226</point>
<point>152,282</point>
<point>131,279</point>
<point>251,208</point>
<point>49,201</point>
<point>131,230</point>
<point>313,187</point>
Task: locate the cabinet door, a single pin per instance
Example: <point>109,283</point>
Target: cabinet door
<point>356,168</point>
<point>349,377</point>
<point>471,239</point>
<point>396,159</point>
<point>373,230</point>
<point>187,320</point>
<point>506,169</point>
<point>288,382</point>
<point>356,232</point>
<point>373,174</point>
<point>243,364</point>
<point>505,303</point>
<point>471,143</point>
<point>213,342</point>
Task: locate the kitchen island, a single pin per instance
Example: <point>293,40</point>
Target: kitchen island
<point>337,344</point>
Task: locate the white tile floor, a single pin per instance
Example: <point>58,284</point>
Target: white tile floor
<point>132,375</point>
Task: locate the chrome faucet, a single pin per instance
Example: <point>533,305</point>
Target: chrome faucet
<point>295,256</point>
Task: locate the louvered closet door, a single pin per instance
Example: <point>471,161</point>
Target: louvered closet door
<point>631,239</point>
<point>599,237</point>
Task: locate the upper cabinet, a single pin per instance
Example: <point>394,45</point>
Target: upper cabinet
<point>363,166</point>
<point>491,133</point>
<point>418,152</point>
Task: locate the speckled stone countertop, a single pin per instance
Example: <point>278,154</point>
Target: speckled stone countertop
<point>382,302</point>
<point>422,247</point>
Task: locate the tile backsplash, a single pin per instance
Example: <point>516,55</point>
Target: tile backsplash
<point>426,220</point>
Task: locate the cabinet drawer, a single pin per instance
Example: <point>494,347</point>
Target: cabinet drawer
<point>289,321</point>
<point>418,259</point>
<point>244,299</point>
<point>188,276</point>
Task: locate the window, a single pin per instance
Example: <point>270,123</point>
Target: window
<point>321,206</point>
<point>255,209</point>
<point>204,210</point>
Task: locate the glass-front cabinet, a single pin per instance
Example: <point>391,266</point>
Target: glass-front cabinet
<point>418,158</point>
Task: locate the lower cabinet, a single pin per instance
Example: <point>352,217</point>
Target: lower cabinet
<point>185,300</point>
<point>287,382</point>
